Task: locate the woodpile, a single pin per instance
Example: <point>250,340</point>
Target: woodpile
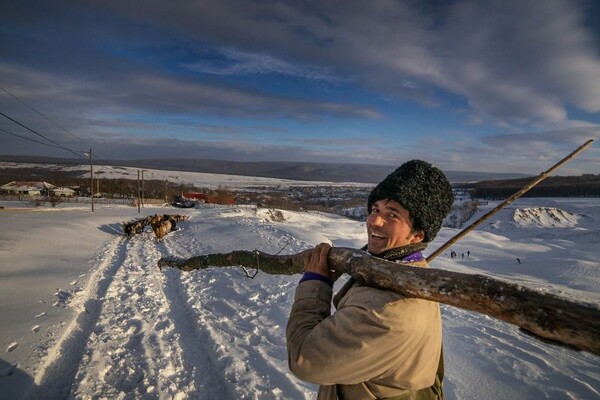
<point>162,228</point>
<point>134,227</point>
<point>161,224</point>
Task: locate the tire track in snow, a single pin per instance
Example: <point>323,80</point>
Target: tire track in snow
<point>55,377</point>
<point>118,358</point>
<point>135,349</point>
<point>195,341</point>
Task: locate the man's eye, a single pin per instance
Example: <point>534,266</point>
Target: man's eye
<point>392,215</point>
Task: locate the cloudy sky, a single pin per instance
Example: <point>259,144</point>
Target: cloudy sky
<point>501,86</point>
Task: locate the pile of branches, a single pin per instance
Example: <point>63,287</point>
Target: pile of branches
<point>161,224</point>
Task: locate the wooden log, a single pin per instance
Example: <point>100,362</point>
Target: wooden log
<point>551,318</point>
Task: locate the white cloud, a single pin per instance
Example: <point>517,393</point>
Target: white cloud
<point>516,62</point>
<point>238,62</point>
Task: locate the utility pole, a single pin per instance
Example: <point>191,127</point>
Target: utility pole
<point>142,188</point>
<point>166,192</point>
<point>91,179</point>
<point>138,192</point>
<point>98,185</point>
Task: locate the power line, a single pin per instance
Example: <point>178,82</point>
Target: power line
<point>40,135</point>
<point>47,118</point>
<point>31,108</point>
<point>26,138</point>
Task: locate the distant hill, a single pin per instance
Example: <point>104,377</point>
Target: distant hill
<point>363,173</point>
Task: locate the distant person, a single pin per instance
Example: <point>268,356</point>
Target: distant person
<point>378,344</point>
<point>518,260</point>
<point>468,253</point>
<point>462,256</point>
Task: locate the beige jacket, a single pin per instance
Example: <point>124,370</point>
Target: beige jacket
<point>377,344</point>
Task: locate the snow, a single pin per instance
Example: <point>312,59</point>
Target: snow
<point>86,313</point>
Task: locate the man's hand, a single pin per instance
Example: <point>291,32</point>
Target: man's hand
<point>316,261</point>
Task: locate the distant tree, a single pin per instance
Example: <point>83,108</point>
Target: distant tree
<point>587,185</point>
<point>222,196</point>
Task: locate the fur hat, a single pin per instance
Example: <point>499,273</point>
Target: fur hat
<point>420,188</point>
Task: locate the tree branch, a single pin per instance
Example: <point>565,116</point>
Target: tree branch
<point>549,317</point>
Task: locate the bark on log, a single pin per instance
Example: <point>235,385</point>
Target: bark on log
<point>549,317</point>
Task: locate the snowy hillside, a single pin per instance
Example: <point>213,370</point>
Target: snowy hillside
<point>199,179</point>
<point>86,314</point>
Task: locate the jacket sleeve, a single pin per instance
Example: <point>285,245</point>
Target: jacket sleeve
<point>363,341</point>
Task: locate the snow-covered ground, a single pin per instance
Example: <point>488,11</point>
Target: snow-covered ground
<point>86,314</point>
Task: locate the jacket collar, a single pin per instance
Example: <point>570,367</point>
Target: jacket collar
<point>409,253</point>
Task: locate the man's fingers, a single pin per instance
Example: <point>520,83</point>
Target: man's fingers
<point>315,260</point>
<point>324,252</point>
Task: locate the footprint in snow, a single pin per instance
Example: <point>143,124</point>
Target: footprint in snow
<point>62,297</point>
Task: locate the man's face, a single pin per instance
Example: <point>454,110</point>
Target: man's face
<point>389,225</point>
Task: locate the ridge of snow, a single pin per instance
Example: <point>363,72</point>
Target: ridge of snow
<point>545,217</point>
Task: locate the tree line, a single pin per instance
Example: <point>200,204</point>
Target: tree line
<point>587,185</point>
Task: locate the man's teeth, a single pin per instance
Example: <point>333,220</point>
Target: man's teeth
<point>377,236</point>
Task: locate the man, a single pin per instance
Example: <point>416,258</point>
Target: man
<point>378,344</point>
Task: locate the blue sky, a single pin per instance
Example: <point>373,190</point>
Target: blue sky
<point>496,86</point>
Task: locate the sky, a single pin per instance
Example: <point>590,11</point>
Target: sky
<point>491,86</point>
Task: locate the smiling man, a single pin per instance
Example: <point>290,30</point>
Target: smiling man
<point>378,344</point>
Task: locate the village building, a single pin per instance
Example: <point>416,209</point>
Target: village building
<point>62,192</point>
<point>27,188</point>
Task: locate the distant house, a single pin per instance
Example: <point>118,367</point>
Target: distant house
<point>197,197</point>
<point>28,188</point>
<point>76,189</point>
<point>62,192</point>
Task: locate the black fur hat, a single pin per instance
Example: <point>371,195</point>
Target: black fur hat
<point>420,188</point>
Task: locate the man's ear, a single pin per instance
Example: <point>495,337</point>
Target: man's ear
<point>418,236</point>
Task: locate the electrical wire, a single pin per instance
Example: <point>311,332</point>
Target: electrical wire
<point>37,111</point>
<point>31,140</point>
<point>40,135</point>
<point>49,119</point>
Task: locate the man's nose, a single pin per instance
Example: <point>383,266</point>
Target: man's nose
<point>375,219</point>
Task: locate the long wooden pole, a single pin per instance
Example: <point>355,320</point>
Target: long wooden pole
<point>512,198</point>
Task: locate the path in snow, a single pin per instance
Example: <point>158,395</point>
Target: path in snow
<point>134,328</point>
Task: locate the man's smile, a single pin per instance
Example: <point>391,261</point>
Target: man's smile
<point>377,235</point>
